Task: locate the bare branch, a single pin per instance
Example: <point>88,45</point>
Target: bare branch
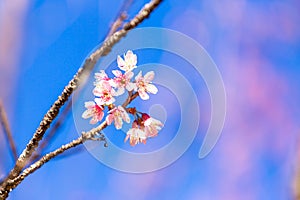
<point>52,131</point>
<point>130,99</point>
<point>72,152</point>
<point>117,24</point>
<point>7,132</point>
<point>85,136</point>
<point>121,16</point>
<point>295,184</point>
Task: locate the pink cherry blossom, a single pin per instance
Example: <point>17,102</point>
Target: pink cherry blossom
<point>135,135</point>
<point>94,111</point>
<point>103,93</point>
<point>129,62</point>
<point>101,76</point>
<point>117,114</point>
<point>122,81</point>
<point>152,126</point>
<point>143,128</point>
<point>143,85</point>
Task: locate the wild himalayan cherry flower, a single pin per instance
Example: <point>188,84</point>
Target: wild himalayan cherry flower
<point>143,128</point>
<point>135,135</point>
<point>143,85</point>
<point>122,81</point>
<point>151,125</point>
<point>94,111</point>
<point>101,76</point>
<point>103,93</point>
<point>117,114</point>
<point>129,62</point>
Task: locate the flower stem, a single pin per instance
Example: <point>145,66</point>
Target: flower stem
<point>7,131</point>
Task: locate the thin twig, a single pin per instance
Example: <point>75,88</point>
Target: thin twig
<point>15,182</point>
<point>68,90</point>
<point>129,99</point>
<point>117,24</point>
<point>90,135</point>
<point>7,132</point>
<point>52,131</point>
<point>121,16</point>
<point>295,186</point>
<point>72,152</point>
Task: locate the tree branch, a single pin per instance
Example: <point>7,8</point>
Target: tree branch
<point>88,65</point>
<point>73,84</point>
<point>296,185</point>
<point>32,168</point>
<point>7,132</point>
<point>52,131</point>
<point>121,16</point>
<point>90,135</point>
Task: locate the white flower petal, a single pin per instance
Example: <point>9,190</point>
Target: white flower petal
<point>110,101</point>
<point>127,137</point>
<point>89,104</point>
<point>148,121</point>
<point>113,83</point>
<point>151,88</point>
<point>121,62</point>
<point>117,73</point>
<point>106,85</point>
<point>141,134</point>
<point>93,120</point>
<point>130,58</point>
<point>149,76</point>
<point>99,101</point>
<point>125,117</point>
<point>100,116</point>
<point>157,123</point>
<point>87,114</point>
<point>130,86</point>
<point>123,114</point>
<point>138,76</point>
<point>129,75</point>
<point>118,123</point>
<point>143,95</point>
<point>100,76</point>
<point>153,132</point>
<point>136,135</point>
<point>121,109</point>
<point>130,131</point>
<point>97,92</point>
<point>119,92</point>
<point>109,119</point>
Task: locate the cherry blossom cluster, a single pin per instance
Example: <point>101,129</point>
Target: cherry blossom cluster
<point>108,89</point>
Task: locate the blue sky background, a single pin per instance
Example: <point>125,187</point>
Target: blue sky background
<point>255,44</point>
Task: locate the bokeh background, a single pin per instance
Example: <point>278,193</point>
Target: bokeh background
<point>255,44</point>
